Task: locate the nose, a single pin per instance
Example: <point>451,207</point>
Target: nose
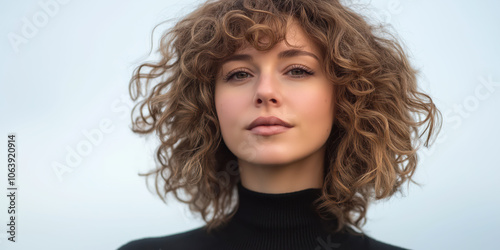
<point>267,91</point>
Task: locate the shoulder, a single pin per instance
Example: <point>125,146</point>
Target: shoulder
<point>366,242</point>
<point>378,245</point>
<point>191,239</point>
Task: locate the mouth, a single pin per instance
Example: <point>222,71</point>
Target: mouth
<point>268,126</point>
<point>268,129</point>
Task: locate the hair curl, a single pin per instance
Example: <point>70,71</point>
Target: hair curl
<point>380,114</point>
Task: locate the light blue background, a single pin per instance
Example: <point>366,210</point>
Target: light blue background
<point>72,75</point>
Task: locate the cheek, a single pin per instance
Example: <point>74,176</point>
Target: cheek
<point>316,104</point>
<point>317,108</point>
<point>228,107</point>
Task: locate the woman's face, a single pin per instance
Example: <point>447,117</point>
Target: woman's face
<point>284,82</point>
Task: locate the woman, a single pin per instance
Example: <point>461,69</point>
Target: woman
<point>281,121</point>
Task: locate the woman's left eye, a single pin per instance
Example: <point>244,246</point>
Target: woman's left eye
<point>299,72</point>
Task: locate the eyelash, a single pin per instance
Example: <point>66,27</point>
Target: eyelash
<point>232,73</point>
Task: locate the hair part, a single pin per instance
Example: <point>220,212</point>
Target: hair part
<point>380,114</point>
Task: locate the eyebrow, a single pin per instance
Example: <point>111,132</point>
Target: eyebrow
<point>283,54</point>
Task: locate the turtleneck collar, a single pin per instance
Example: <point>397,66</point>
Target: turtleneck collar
<point>278,211</point>
<point>278,221</point>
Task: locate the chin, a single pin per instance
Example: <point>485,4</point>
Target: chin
<point>270,158</point>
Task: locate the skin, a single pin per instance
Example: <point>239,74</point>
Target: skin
<point>266,85</point>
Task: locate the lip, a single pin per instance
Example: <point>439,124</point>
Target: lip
<point>269,125</point>
<point>268,130</point>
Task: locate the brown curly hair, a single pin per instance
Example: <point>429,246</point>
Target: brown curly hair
<point>379,122</point>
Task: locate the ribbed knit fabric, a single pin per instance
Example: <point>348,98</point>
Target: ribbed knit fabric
<point>285,221</point>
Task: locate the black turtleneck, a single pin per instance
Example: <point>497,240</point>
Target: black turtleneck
<point>285,221</point>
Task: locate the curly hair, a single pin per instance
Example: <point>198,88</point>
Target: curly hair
<point>380,116</point>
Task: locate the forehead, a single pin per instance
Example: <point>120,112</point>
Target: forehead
<point>295,36</point>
